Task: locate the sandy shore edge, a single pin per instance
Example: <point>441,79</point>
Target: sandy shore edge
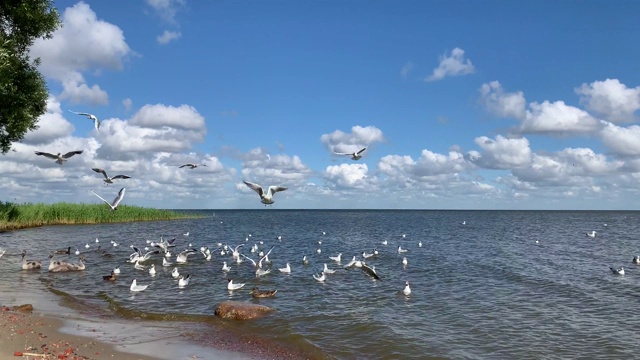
<point>25,335</point>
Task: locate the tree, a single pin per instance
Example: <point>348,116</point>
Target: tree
<point>23,90</point>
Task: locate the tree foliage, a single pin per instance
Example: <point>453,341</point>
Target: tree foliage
<point>23,90</point>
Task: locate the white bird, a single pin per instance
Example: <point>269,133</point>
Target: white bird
<point>405,261</point>
<point>60,158</point>
<point>225,267</point>
<point>2,251</point>
<point>305,261</point>
<point>116,271</point>
<point>592,234</point>
<point>116,201</point>
<point>286,269</point>
<point>407,289</point>
<point>336,258</point>
<point>354,156</point>
<point>619,271</point>
<point>260,272</point>
<point>265,197</point>
<point>366,255</point>
<point>107,179</point>
<point>636,260</point>
<point>174,273</point>
<point>165,262</point>
<point>232,286</point>
<point>152,270</point>
<point>186,234</point>
<point>351,263</point>
<point>184,280</point>
<point>87,246</point>
<point>464,222</point>
<point>97,240</point>
<point>96,122</point>
<point>77,252</point>
<point>320,278</point>
<point>182,257</point>
<point>192,166</point>
<point>139,266</point>
<point>30,264</point>
<point>136,287</point>
<point>385,243</point>
<point>401,250</point>
<point>319,251</point>
<point>326,270</point>
<point>419,243</point>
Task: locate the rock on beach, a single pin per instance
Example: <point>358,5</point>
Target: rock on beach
<point>238,310</point>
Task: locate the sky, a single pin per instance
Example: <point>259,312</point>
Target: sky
<point>460,104</point>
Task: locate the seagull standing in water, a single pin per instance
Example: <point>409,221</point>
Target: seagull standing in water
<point>265,197</point>
<point>592,234</point>
<point>91,117</point>
<point>407,289</point>
<point>354,156</point>
<point>135,287</point>
<point>116,201</point>
<point>232,286</point>
<point>60,159</point>
<point>107,179</point>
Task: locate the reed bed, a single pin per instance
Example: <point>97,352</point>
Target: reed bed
<point>20,216</point>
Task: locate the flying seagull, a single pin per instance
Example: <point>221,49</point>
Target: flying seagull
<point>91,117</point>
<point>58,158</point>
<point>265,197</point>
<point>116,201</point>
<point>192,166</point>
<point>107,179</point>
<point>354,156</point>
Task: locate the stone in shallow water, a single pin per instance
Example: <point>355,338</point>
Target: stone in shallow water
<point>238,310</point>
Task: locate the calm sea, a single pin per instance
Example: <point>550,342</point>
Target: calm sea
<point>503,285</point>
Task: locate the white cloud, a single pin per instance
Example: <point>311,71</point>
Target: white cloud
<point>453,65</point>
<point>339,141</point>
<point>611,99</point>
<point>168,36</point>
<point>406,69</point>
<point>52,125</point>
<point>622,141</point>
<point>167,9</point>
<point>276,169</point>
<point>506,105</point>
<point>159,115</point>
<point>127,103</point>
<point>502,153</point>
<point>347,175</point>
<point>83,43</point>
<point>557,118</point>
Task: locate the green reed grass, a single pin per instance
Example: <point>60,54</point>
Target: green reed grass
<point>19,216</point>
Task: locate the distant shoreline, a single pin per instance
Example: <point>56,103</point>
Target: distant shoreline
<point>29,215</point>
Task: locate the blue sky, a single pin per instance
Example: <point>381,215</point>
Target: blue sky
<point>461,104</point>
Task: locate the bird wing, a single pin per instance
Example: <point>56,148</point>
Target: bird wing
<point>264,256</point>
<point>189,165</point>
<point>250,259</point>
<point>80,113</point>
<point>98,170</point>
<point>275,189</point>
<point>341,153</point>
<point>118,198</point>
<point>361,151</point>
<point>71,153</point>
<point>257,188</point>
<point>121,177</point>
<point>96,123</point>
<point>100,197</point>
<point>50,156</point>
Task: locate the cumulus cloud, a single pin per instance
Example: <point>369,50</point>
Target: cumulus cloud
<point>159,115</point>
<point>83,43</point>
<point>167,9</point>
<point>506,105</point>
<point>52,125</point>
<point>622,141</point>
<point>360,137</point>
<point>278,169</point>
<point>611,99</point>
<point>346,175</point>
<point>557,118</point>
<point>167,36</point>
<point>502,153</point>
<point>453,65</point>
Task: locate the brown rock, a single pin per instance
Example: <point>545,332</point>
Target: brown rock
<point>23,308</point>
<point>238,310</point>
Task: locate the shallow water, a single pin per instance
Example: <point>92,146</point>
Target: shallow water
<point>481,290</point>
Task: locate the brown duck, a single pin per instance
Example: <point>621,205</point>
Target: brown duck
<point>111,277</point>
<point>256,293</point>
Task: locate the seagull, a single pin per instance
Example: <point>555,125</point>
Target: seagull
<point>231,286</point>
<point>636,260</point>
<point>116,271</point>
<point>152,270</point>
<point>419,243</point>
<point>225,267</point>
<point>265,198</point>
<point>174,273</point>
<point>407,290</point>
<point>2,251</point>
<point>261,272</point>
<point>116,201</point>
<point>354,156</point>
<point>60,158</point>
<point>371,271</point>
<point>136,287</point>
<point>326,270</point>
<point>320,278</point>
<point>304,260</point>
<point>107,179</point>
<point>404,261</point>
<point>401,250</point>
<point>286,269</point>
<point>91,117</point>
<point>182,257</point>
<point>165,262</point>
<point>191,166</point>
<point>592,234</point>
<point>385,243</point>
<point>184,280</point>
<point>619,271</point>
<point>336,258</point>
